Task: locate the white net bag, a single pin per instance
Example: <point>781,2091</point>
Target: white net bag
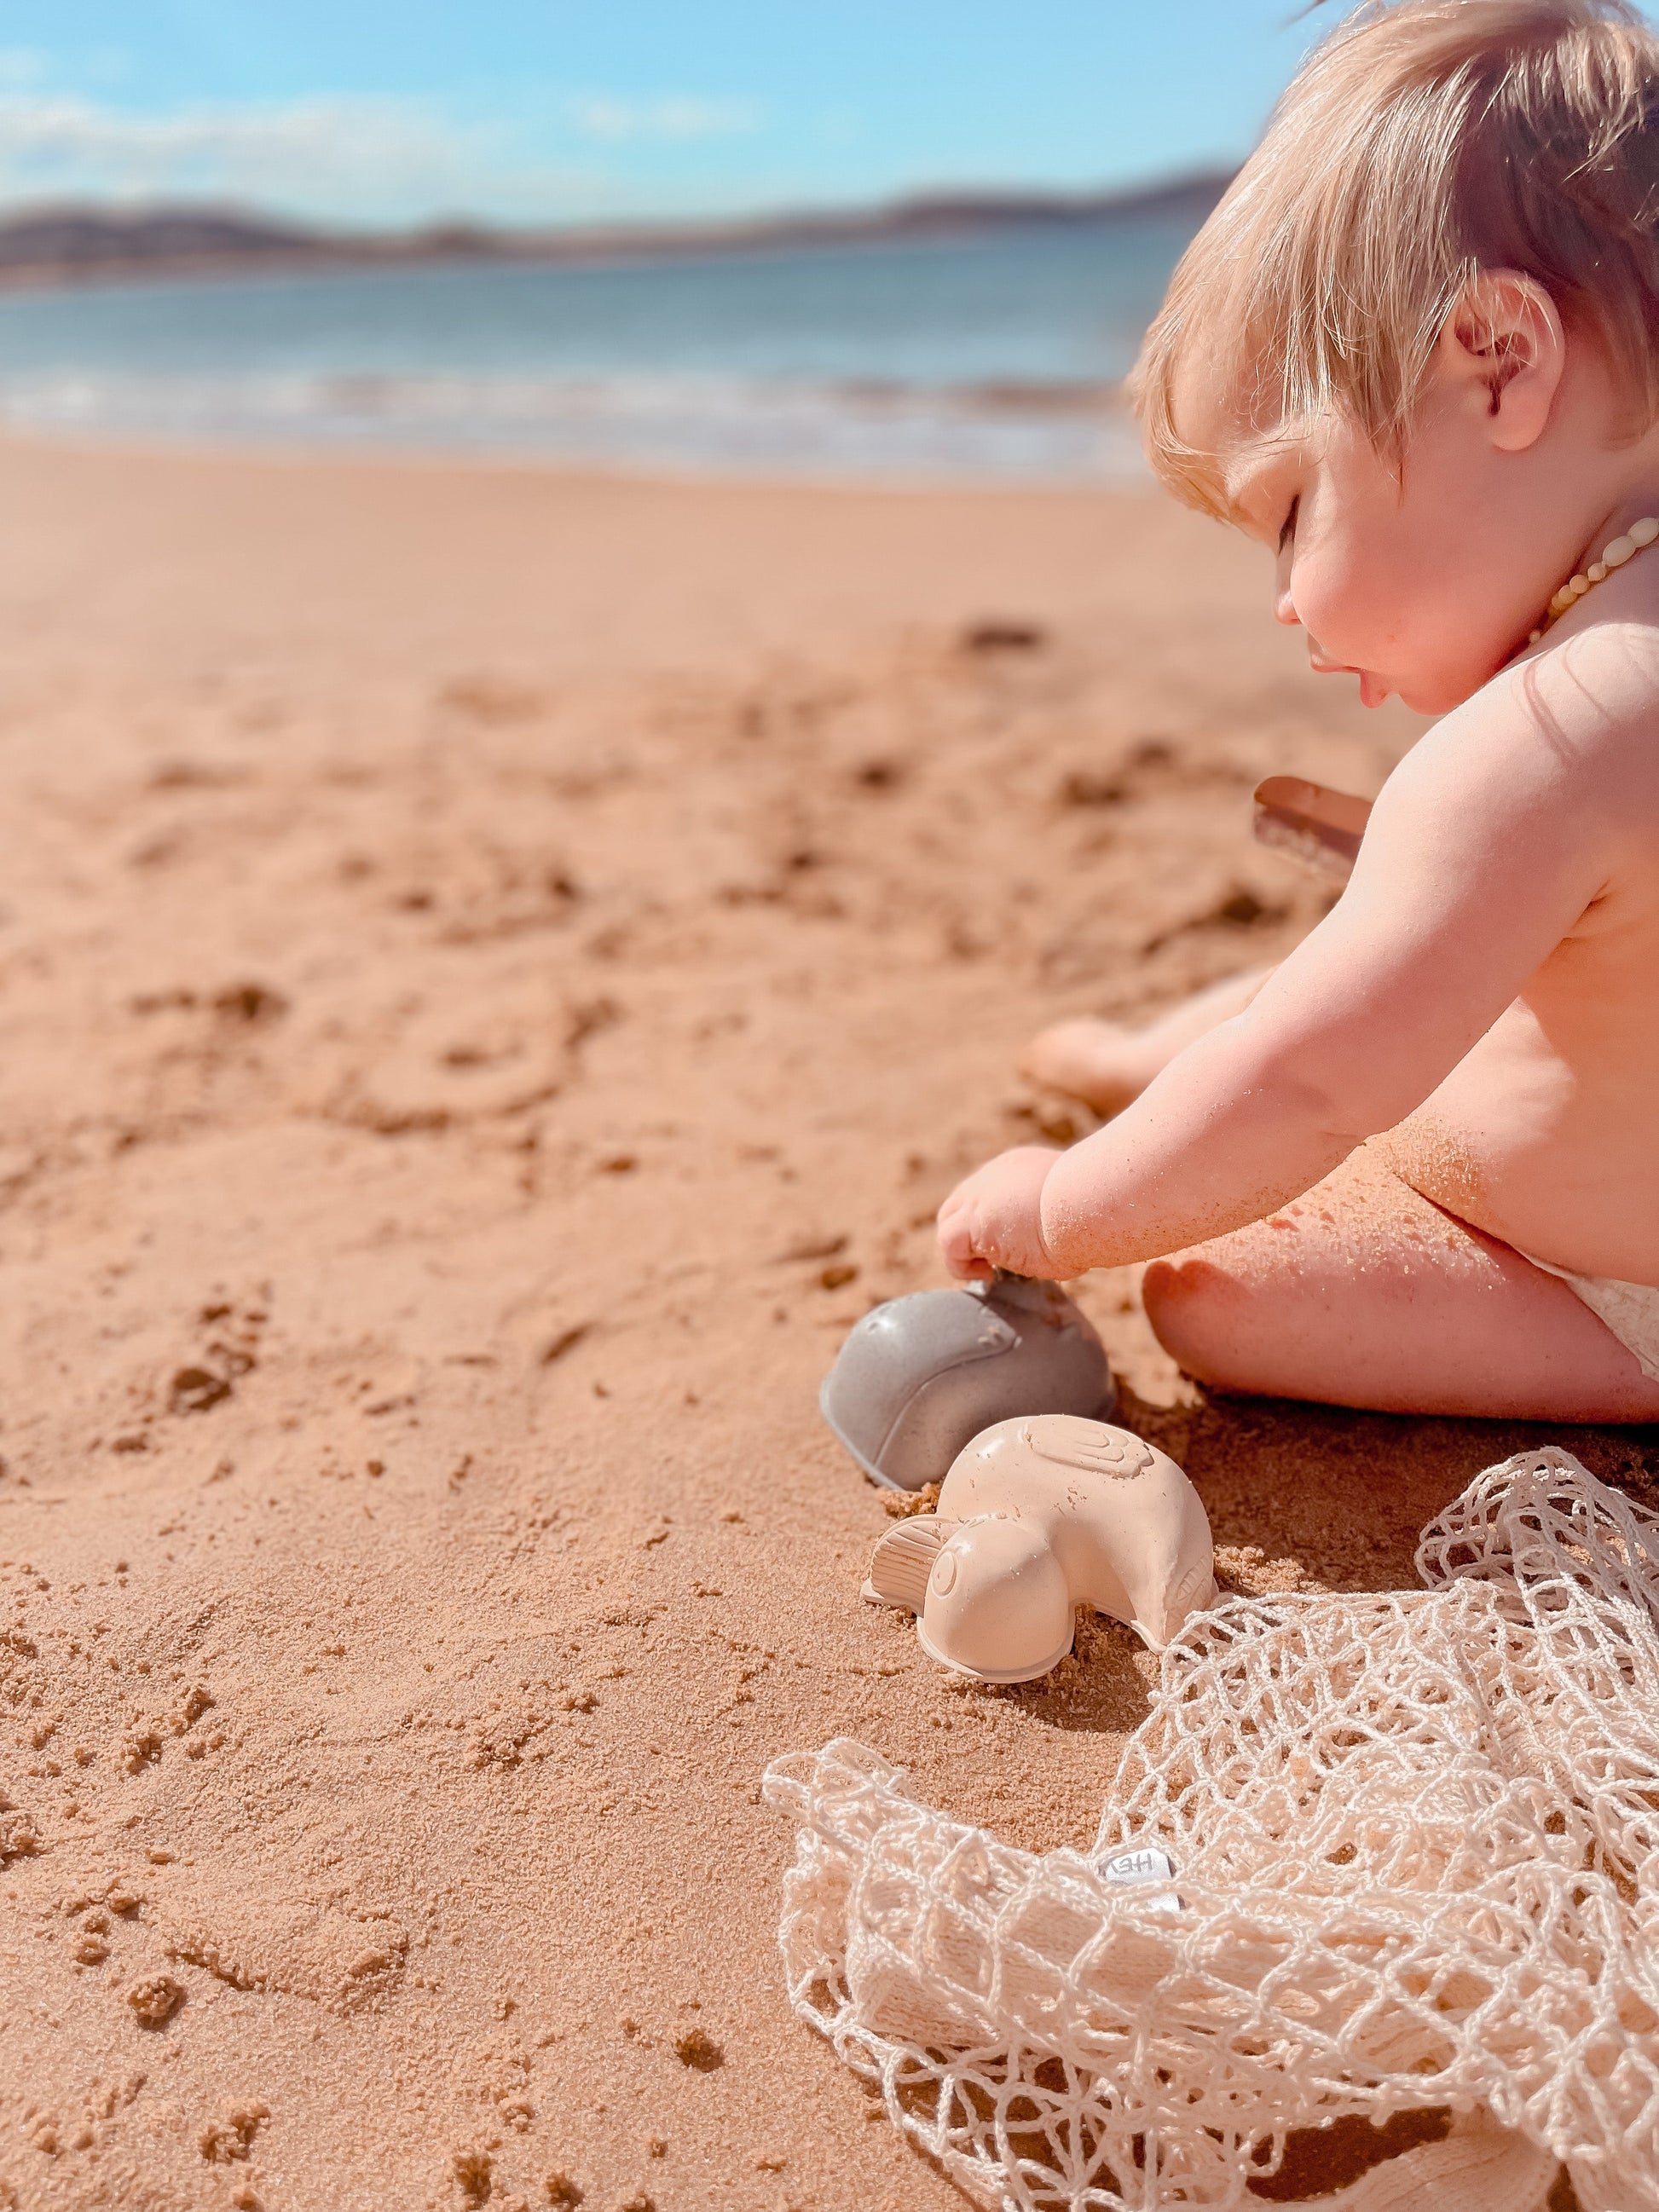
<point>1415,1838</point>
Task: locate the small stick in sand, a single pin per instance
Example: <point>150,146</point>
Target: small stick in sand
<point>1312,823</point>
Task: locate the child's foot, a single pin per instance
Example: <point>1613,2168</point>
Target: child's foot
<point>1104,1064</point>
<point>1108,1066</point>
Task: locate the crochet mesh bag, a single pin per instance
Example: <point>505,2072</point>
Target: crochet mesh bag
<point>1415,1838</point>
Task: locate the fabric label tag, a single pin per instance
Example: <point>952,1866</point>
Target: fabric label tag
<point>1139,1868</point>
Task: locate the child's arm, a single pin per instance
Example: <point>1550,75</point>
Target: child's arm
<point>1483,852</point>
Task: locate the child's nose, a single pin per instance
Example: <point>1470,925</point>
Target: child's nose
<point>1285,607</point>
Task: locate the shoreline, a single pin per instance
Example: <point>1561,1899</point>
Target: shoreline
<point>986,438</point>
<point>713,476</point>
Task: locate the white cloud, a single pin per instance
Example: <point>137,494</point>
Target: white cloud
<point>363,155</point>
<point>671,116</point>
<point>347,159</point>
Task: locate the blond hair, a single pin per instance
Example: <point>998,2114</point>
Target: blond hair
<point>1423,142</point>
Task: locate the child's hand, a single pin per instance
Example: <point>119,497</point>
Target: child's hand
<point>993,1218</point>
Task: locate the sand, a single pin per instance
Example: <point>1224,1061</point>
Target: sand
<point>497,970</point>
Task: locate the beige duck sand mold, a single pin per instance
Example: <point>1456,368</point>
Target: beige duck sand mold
<point>1036,1518</point>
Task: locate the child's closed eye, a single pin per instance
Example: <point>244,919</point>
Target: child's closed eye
<point>1288,530</point>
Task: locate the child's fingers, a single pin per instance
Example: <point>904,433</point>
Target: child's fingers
<point>972,1271</point>
<point>953,1215</point>
<point>957,1244</point>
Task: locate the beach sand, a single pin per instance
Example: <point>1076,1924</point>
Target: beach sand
<point>497,970</point>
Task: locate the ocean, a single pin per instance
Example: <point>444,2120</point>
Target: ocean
<point>986,355</point>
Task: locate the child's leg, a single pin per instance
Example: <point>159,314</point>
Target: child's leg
<point>1361,1293</point>
<point>1107,1065</point>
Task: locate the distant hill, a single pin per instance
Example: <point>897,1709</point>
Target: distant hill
<point>80,245</point>
<point>76,240</point>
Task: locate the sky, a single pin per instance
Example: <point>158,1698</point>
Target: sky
<point>367,112</point>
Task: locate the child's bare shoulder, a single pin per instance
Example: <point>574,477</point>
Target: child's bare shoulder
<point>1573,727</point>
<point>1597,688</point>
<point>1605,678</point>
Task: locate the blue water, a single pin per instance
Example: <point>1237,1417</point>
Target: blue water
<point>985,356</point>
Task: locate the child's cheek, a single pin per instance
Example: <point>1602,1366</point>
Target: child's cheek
<point>1342,601</point>
<point>1318,607</point>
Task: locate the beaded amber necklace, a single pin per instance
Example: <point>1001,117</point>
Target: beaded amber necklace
<point>1614,556</point>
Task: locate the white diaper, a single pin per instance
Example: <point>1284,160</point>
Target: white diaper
<point>1631,1310</point>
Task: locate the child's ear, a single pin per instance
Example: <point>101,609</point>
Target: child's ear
<point>1504,343</point>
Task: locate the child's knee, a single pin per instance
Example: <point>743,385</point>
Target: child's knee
<point>1196,1310</point>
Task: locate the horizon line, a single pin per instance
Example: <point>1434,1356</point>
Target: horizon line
<point>52,244</point>
<point>943,199</point>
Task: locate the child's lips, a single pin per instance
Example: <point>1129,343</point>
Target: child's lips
<point>1373,689</point>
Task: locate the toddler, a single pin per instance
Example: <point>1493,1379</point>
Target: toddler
<point>1415,354</point>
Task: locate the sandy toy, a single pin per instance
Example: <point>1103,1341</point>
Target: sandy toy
<point>921,1376</point>
<point>1036,1518</point>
